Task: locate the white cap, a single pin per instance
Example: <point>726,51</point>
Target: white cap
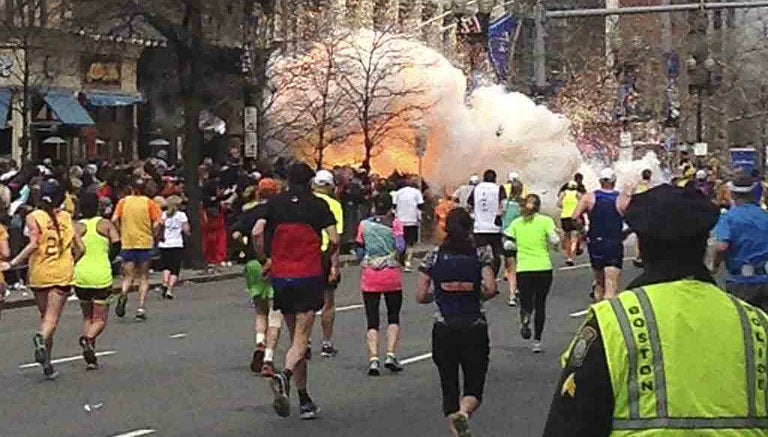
<point>701,174</point>
<point>474,180</point>
<point>513,176</point>
<point>324,178</point>
<point>607,174</point>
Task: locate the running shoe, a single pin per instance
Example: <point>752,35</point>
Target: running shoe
<point>536,347</point>
<point>268,369</point>
<point>525,330</point>
<point>41,352</point>
<point>569,263</point>
<point>328,351</point>
<point>374,367</point>
<point>637,262</point>
<point>49,372</point>
<point>120,307</point>
<point>308,411</point>
<point>141,314</point>
<point>89,354</point>
<point>257,362</point>
<point>281,387</point>
<point>163,291</point>
<point>512,301</point>
<point>392,363</point>
<point>169,295</point>
<point>308,353</point>
<point>460,423</point>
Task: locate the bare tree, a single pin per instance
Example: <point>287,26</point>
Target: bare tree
<point>313,110</point>
<point>372,72</point>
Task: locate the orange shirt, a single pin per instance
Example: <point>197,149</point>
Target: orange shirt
<point>52,264</point>
<point>138,215</point>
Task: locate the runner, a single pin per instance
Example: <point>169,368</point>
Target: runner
<point>267,321</point>
<point>52,250</point>
<point>513,178</point>
<point>293,226</point>
<point>567,202</point>
<point>461,195</point>
<point>175,226</point>
<point>93,274</point>
<point>511,212</point>
<point>644,185</point>
<point>605,208</point>
<point>533,234</point>
<point>380,240</point>
<point>408,205</point>
<point>457,276</point>
<point>138,219</point>
<point>324,187</point>
<point>486,201</point>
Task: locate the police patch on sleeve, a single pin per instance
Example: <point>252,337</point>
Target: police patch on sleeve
<point>584,341</point>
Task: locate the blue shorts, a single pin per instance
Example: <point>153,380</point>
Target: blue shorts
<point>606,253</point>
<point>136,256</point>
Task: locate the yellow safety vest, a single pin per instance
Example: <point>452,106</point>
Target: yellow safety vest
<point>685,359</point>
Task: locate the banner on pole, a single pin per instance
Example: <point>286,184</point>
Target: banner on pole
<point>500,33</point>
<point>744,159</point>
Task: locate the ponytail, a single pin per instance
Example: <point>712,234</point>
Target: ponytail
<point>48,206</point>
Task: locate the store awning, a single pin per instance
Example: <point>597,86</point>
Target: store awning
<point>67,109</point>
<point>112,99</point>
<point>5,105</point>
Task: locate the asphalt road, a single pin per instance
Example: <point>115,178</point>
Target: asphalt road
<point>184,372</point>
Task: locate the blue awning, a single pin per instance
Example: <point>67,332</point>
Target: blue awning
<point>5,104</point>
<point>67,109</point>
<point>112,99</point>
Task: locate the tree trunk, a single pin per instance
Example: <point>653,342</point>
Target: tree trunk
<point>368,149</point>
<point>191,78</point>
<point>261,58</point>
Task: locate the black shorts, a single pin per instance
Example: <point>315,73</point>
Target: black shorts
<point>411,235</point>
<point>493,240</point>
<point>64,290</point>
<point>171,258</point>
<point>569,225</point>
<point>93,294</point>
<point>300,296</point>
<point>606,253</point>
<point>326,260</point>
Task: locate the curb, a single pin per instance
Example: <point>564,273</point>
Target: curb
<point>29,302</point>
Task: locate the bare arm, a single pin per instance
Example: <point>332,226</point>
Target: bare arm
<point>78,247</point>
<point>257,235</point>
<point>5,250</point>
<point>423,287</point>
<point>585,203</point>
<point>560,200</point>
<point>34,242</point>
<point>489,283</point>
<point>721,249</point>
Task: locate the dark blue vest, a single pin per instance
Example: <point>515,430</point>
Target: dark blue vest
<point>457,307</point>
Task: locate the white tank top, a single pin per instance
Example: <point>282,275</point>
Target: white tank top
<point>486,208</point>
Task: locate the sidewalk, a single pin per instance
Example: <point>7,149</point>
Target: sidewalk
<point>24,298</point>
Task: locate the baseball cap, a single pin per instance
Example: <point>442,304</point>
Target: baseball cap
<point>607,174</point>
<point>742,184</point>
<point>474,180</point>
<point>513,176</point>
<point>701,174</point>
<point>324,178</point>
<point>268,187</point>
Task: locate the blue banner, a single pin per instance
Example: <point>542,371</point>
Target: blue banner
<point>500,33</point>
<point>744,159</point>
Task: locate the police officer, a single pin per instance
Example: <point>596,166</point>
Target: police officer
<point>674,355</point>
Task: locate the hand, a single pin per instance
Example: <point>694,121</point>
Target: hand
<point>334,276</point>
<point>266,268</point>
<point>236,235</point>
<point>5,266</point>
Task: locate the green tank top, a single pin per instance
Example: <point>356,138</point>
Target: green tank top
<point>570,202</point>
<point>94,269</point>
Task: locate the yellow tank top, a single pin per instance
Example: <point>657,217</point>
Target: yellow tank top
<point>570,202</point>
<point>93,270</point>
<point>52,264</point>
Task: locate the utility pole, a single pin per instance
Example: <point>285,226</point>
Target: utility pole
<point>539,48</point>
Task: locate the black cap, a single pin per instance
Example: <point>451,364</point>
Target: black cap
<point>300,174</point>
<point>671,213</point>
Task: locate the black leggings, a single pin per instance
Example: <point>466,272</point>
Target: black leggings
<point>394,301</point>
<point>534,287</point>
<point>465,347</point>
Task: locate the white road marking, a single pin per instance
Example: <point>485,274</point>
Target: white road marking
<point>342,309</point>
<point>417,358</point>
<point>579,313</point>
<point>581,266</point>
<point>137,433</point>
<point>179,335</point>
<point>67,360</point>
